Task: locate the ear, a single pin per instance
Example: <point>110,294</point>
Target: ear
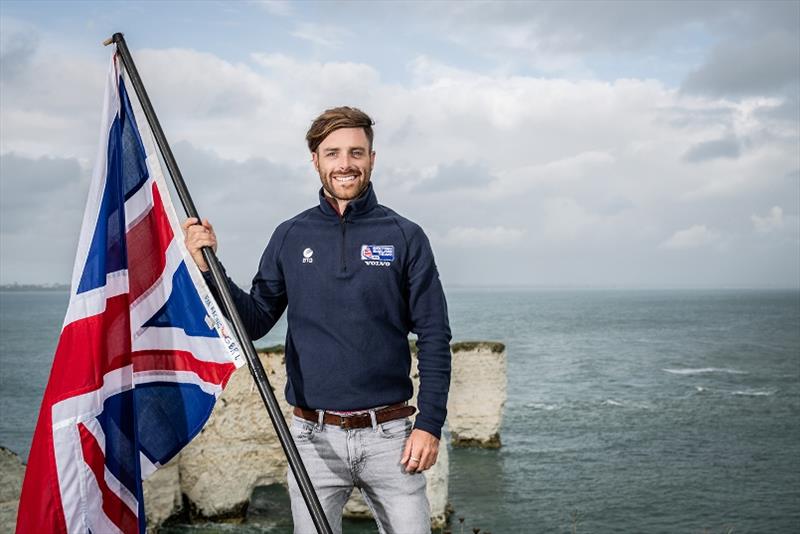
<point>372,159</point>
<point>315,160</point>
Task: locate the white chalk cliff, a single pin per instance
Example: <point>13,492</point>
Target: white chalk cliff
<point>238,450</point>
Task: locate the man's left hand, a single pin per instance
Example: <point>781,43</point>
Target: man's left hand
<point>422,449</point>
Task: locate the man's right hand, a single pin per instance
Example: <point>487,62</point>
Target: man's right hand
<point>196,236</point>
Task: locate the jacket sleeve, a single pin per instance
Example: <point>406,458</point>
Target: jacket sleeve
<point>428,314</point>
<point>263,306</point>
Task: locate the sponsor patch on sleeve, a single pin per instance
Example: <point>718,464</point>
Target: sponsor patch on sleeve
<point>377,255</point>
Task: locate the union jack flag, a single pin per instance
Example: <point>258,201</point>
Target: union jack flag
<point>144,351</point>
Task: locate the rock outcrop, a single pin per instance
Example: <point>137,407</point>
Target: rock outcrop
<point>477,394</point>
<point>237,450</point>
<point>162,494</point>
<point>12,472</point>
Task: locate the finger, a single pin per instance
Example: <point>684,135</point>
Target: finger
<point>194,231</point>
<point>208,225</point>
<point>413,465</point>
<point>406,452</point>
<point>432,461</point>
<point>200,234</point>
<point>200,243</point>
<point>424,458</point>
<point>188,223</point>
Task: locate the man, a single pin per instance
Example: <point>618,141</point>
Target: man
<point>357,278</point>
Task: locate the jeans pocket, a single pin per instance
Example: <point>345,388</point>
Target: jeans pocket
<point>303,430</point>
<point>395,429</point>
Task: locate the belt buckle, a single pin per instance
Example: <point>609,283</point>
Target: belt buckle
<point>345,422</point>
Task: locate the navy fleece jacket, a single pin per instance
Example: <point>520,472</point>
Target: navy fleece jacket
<point>355,286</point>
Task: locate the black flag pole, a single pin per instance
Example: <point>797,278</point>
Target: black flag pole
<point>256,369</point>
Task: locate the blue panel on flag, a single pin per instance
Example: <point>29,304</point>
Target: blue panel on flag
<point>108,253</point>
<point>126,172</point>
<point>122,457</point>
<point>169,415</point>
<point>183,309</point>
<point>134,165</point>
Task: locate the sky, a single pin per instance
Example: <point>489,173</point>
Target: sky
<point>556,144</point>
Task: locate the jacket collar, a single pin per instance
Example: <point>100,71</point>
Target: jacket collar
<point>359,206</point>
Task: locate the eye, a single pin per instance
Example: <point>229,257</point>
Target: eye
<point>358,153</point>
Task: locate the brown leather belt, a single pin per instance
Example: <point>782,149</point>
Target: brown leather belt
<point>361,420</point>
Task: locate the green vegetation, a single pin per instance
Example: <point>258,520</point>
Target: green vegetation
<point>274,349</point>
<point>461,346</point>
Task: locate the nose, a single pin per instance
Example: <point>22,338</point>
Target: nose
<point>344,161</point>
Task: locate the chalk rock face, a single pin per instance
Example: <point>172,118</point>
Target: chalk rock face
<point>12,471</point>
<point>477,394</point>
<point>162,494</point>
<point>237,450</point>
<point>438,475</point>
<point>436,491</point>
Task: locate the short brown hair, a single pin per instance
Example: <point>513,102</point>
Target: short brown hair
<point>334,119</point>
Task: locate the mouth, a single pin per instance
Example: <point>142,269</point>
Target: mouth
<point>344,179</point>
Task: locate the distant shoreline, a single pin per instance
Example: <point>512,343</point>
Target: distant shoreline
<point>456,287</point>
<point>34,287</point>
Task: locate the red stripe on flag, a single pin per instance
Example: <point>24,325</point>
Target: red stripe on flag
<point>114,507</point>
<point>178,360</point>
<point>88,349</point>
<point>147,247</point>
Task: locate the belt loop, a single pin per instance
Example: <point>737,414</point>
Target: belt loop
<point>374,419</point>
<point>320,418</point>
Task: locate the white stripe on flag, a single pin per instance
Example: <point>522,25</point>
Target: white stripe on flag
<point>207,349</point>
<point>90,214</point>
<point>156,295</point>
<point>94,428</point>
<point>178,377</point>
<point>93,302</point>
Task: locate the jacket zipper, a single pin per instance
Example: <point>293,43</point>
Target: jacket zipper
<point>343,224</point>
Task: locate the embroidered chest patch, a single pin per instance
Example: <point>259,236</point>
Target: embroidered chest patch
<point>377,255</point>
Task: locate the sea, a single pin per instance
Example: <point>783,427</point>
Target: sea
<point>629,410</point>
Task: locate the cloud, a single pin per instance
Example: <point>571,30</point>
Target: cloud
<point>693,237</point>
<point>482,236</point>
<point>41,207</point>
<point>36,187</point>
<point>765,65</point>
<point>322,35</point>
<point>583,38</point>
<point>456,175</point>
<point>18,45</point>
<point>571,171</point>
<point>787,109</point>
<point>727,147</point>
<point>280,8</point>
<point>771,221</point>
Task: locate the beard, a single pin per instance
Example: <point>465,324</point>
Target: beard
<point>347,190</point>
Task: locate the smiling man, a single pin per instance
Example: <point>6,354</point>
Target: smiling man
<point>357,278</point>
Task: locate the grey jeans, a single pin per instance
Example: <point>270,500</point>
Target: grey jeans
<point>368,459</point>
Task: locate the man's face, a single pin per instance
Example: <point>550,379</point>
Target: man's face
<point>344,163</point>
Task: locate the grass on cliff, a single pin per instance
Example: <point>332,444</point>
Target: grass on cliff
<point>460,346</point>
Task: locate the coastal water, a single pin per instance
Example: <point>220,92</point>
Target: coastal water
<point>628,410</point>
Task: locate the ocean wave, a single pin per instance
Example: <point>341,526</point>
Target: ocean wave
<point>704,370</point>
<point>754,392</point>
<point>612,402</point>
<point>542,406</point>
